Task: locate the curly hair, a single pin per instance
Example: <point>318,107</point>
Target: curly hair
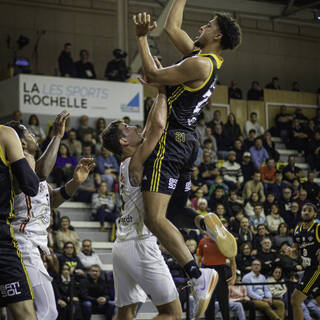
<point>230,29</point>
<point>16,125</point>
<point>111,137</point>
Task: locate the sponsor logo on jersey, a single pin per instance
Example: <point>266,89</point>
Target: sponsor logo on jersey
<point>126,219</point>
<point>172,183</point>
<point>187,186</point>
<point>10,289</point>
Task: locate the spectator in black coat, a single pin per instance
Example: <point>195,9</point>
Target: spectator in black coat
<point>314,152</point>
<point>268,257</point>
<point>238,149</point>
<point>84,68</point>
<point>217,197</point>
<point>208,170</point>
<point>234,91</point>
<point>269,145</point>
<point>245,258</point>
<point>97,300</point>
<point>117,69</point>
<point>247,167</point>
<point>68,294</point>
<point>274,84</point>
<point>292,216</point>
<point>66,65</point>
<point>311,187</point>
<point>291,171</point>
<point>224,143</point>
<point>298,137</point>
<point>244,233</point>
<point>231,128</point>
<point>283,123</point>
<point>262,232</point>
<point>255,92</point>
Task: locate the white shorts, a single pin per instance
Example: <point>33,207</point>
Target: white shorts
<point>139,270</point>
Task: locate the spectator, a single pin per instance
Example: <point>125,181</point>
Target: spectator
<point>295,86</point>
<point>259,153</point>
<point>235,203</point>
<point>311,187</point>
<point>244,258</point>
<point>66,65</point>
<point>239,300</point>
<point>311,129</point>
<point>303,198</point>
<point>108,167</point>
<point>254,185</point>
<point>69,258</point>
<point>262,232</point>
<point>73,144</point>
<point>291,171</point>
<point>261,295</point>
<point>288,261</point>
<point>238,149</point>
<point>269,145</point>
<point>253,124</point>
<point>298,137</point>
<point>208,135</point>
<point>278,186</point>
<point>216,120</point>
<point>255,92</point>
<point>218,197</point>
<point>208,112</point>
<point>87,256</point>
<point>68,295</point>
<point>244,234</point>
<point>84,128</point>
<point>274,219</point>
<point>267,256</point>
<point>292,215</point>
<point>218,181</point>
<point>285,201</point>
<point>17,116</point>
<point>249,142</point>
<point>35,128</point>
<point>270,200</point>
<point>231,171</point>
<point>192,246</point>
<point>234,91</point>
<point>98,297</point>
<point>274,84</point>
<point>268,174</point>
<point>231,128</point>
<point>213,258</point>
<point>84,68</point>
<point>282,236</point>
<point>220,211</point>
<point>279,290</point>
<point>100,126</point>
<point>104,205</point>
<point>208,170</point>
<point>197,182</point>
<point>117,69</point>
<point>64,166</point>
<point>303,120</point>
<point>208,146</point>
<point>314,152</point>
<point>247,167</point>
<point>249,207</point>
<point>201,130</point>
<point>202,206</point>
<point>283,123</point>
<point>64,234</point>
<point>224,143</point>
<point>257,219</point>
<point>197,196</point>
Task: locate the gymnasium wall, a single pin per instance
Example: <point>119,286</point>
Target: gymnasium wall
<point>285,50</point>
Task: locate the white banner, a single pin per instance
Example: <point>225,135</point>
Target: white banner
<point>108,99</point>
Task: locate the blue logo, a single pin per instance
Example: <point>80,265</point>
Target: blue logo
<point>133,105</point>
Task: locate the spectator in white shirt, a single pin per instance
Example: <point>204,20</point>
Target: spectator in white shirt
<point>253,124</point>
<point>87,256</point>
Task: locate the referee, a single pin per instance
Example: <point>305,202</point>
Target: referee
<point>210,256</point>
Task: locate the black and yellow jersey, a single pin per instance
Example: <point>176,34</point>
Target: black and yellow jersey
<point>308,240</point>
<point>6,193</point>
<point>184,103</point>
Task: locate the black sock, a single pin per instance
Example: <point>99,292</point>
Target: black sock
<point>203,225</point>
<point>192,270</point>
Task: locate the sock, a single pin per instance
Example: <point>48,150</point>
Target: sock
<point>203,225</point>
<point>192,270</point>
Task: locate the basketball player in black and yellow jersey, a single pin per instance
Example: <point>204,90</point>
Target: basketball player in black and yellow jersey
<point>166,179</point>
<point>307,241</point>
<point>15,290</point>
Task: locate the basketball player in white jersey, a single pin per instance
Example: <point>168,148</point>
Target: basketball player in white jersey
<point>32,214</point>
<point>138,266</point>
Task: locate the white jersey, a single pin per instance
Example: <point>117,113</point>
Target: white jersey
<point>130,224</point>
<point>32,217</point>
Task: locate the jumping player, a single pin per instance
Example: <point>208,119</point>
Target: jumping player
<point>139,268</point>
<point>307,241</point>
<point>167,172</point>
<point>32,214</point>
<point>15,290</point>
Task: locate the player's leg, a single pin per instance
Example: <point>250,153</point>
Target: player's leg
<point>22,310</point>
<point>169,311</point>
<point>126,312</point>
<point>296,299</point>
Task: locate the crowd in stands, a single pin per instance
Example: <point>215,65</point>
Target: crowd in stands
<point>238,174</point>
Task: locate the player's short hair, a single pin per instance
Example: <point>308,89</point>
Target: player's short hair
<point>230,29</point>
<point>111,137</point>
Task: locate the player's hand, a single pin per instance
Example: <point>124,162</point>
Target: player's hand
<point>60,123</point>
<point>83,169</point>
<point>143,24</point>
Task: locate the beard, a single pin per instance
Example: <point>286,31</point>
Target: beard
<point>197,44</point>
<point>307,219</point>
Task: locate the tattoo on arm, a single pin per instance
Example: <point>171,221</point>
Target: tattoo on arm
<point>134,180</point>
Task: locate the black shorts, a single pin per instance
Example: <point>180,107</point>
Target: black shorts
<point>168,169</point>
<point>14,282</point>
<point>310,282</point>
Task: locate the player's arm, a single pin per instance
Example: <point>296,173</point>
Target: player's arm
<point>80,175</point>
<point>47,161</point>
<point>178,37</point>
<point>152,136</point>
<point>26,177</point>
